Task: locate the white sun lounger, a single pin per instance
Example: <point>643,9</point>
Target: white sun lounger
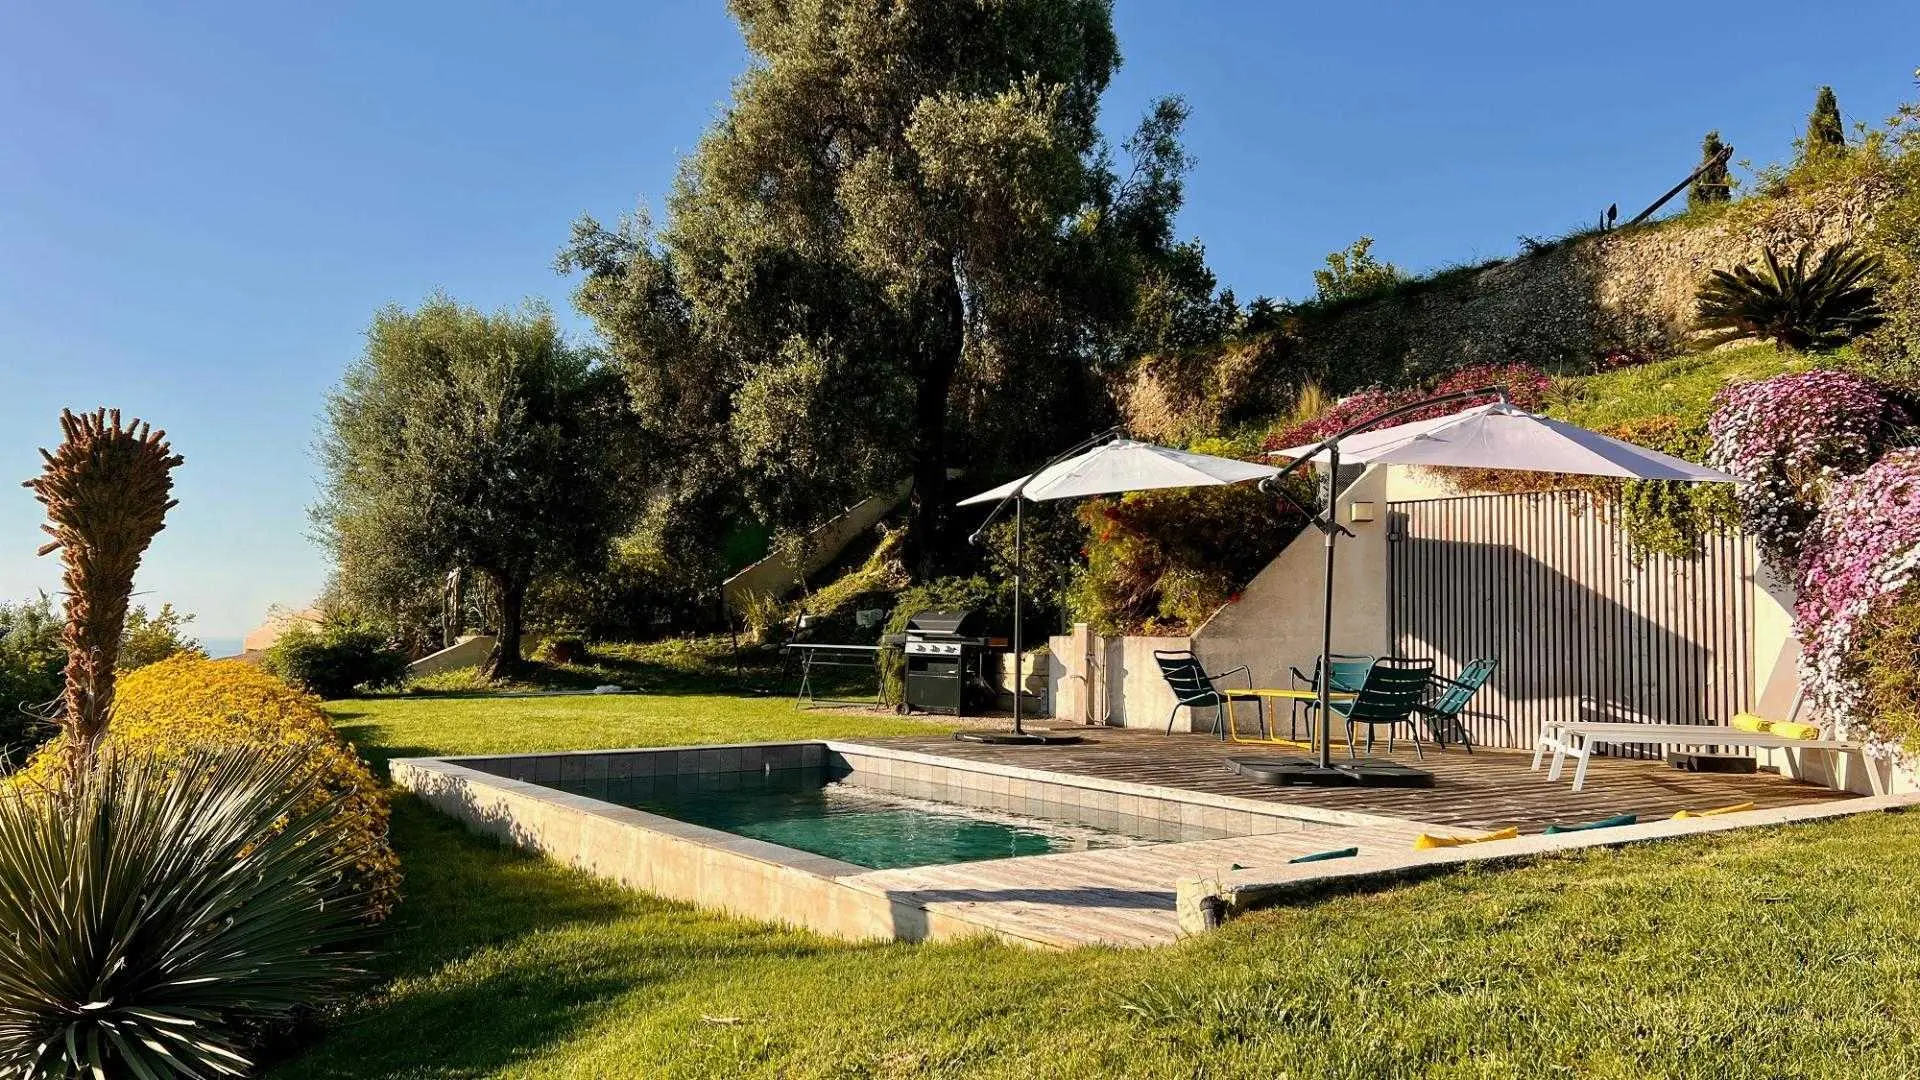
<point>1580,738</point>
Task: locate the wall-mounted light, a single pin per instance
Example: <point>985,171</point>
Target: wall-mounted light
<point>1361,511</point>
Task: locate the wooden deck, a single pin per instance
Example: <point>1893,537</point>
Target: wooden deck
<point>1126,896</point>
<point>1490,789</point>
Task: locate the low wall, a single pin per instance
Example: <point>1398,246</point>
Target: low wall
<point>465,653</point>
<point>1115,681</point>
<point>782,571</point>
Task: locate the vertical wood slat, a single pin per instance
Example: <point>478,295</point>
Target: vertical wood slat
<point>1548,584</point>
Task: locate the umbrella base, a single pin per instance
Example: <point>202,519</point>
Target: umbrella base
<point>1370,772</point>
<point>1030,737</point>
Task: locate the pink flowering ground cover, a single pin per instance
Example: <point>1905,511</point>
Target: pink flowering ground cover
<point>1863,552</point>
<point>1526,387</point>
<point>1791,438</point>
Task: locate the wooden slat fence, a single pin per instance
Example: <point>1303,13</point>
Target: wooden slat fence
<point>1547,583</point>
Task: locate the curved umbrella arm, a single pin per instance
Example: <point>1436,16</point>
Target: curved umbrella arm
<point>1325,523</point>
<point>978,538</point>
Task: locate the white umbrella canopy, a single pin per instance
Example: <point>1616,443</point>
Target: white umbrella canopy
<point>1125,465</point>
<point>1504,436</point>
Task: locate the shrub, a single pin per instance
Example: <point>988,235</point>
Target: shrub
<point>149,639</point>
<point>336,658</point>
<point>158,911</point>
<point>1864,552</point>
<point>1822,306</point>
<point>1527,387</point>
<point>1887,650</point>
<point>1789,438</point>
<point>186,705</point>
<point>562,650</point>
<point>1164,561</point>
<point>32,658</point>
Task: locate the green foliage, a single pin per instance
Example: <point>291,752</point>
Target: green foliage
<point>465,440</point>
<point>149,639</point>
<point>1887,655</point>
<point>158,913</point>
<point>941,594</point>
<point>905,225</point>
<point>32,660</point>
<point>1666,517</point>
<point>1355,273</point>
<point>1892,352</point>
<point>1054,548</point>
<point>1164,561</point>
<point>1714,185</point>
<point>342,654</point>
<point>1799,306</point>
<point>1826,135</point>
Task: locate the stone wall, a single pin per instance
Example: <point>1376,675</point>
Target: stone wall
<point>1563,307</point>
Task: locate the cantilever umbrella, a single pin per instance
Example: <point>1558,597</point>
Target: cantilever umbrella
<point>1498,435</point>
<point>1105,464</point>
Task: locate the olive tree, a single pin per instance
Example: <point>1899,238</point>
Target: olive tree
<point>461,440</point>
<point>902,247</point>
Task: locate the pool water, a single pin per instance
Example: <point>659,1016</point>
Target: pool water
<point>806,810</point>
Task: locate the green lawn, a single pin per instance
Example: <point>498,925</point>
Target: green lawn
<point>1789,952</point>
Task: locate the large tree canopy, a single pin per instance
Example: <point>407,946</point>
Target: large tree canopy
<point>466,441</point>
<point>903,247</point>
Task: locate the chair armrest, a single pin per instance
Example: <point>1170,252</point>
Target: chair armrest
<point>1302,676</point>
<point>1241,670</point>
<point>1451,682</point>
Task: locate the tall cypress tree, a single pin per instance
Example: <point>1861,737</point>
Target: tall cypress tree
<point>1715,183</point>
<point>1826,135</point>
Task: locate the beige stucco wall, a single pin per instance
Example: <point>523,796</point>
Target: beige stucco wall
<point>1276,623</point>
<point>1115,681</point>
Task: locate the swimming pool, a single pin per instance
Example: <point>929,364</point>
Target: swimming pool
<point>809,810</point>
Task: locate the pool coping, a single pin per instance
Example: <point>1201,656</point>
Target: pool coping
<point>505,796</point>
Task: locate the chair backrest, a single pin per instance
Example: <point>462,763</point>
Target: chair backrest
<point>1185,677</point>
<point>1349,671</point>
<point>1453,700</point>
<point>1394,685</point>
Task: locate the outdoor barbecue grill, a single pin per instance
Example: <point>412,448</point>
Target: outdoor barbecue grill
<point>947,653</point>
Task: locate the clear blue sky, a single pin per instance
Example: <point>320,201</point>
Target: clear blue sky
<point>201,205</point>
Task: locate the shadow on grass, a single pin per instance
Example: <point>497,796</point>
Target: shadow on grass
<point>495,954</point>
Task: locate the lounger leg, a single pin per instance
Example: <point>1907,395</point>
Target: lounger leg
<point>1559,758</point>
<point>1540,748</point>
<point>1580,771</point>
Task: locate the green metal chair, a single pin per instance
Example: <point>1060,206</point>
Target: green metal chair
<point>1393,686</point>
<point>1448,698</point>
<point>1349,671</point>
<point>1193,687</point>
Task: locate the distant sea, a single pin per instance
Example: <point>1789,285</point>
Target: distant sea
<point>221,646</point>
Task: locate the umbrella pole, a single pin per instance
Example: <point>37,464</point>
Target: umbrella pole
<point>1019,563</point>
<point>1325,673</point>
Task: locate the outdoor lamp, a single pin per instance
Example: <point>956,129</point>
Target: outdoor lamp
<point>1361,511</point>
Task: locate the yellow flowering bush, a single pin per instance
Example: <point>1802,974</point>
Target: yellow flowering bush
<point>187,703</point>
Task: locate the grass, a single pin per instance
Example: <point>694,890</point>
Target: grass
<point>1768,953</point>
<point>1682,388</point>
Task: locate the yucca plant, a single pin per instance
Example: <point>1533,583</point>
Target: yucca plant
<point>1806,304</point>
<point>107,488</point>
<point>151,916</point>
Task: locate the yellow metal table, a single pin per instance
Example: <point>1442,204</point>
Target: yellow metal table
<point>1267,695</point>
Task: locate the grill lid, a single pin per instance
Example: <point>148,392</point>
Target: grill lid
<point>944,624</point>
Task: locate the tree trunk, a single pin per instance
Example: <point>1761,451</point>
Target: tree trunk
<point>940,354</point>
<point>504,661</point>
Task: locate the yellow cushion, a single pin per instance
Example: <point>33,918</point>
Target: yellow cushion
<point>1747,721</point>
<point>1796,731</point>
<point>1715,812</point>
<point>1427,842</point>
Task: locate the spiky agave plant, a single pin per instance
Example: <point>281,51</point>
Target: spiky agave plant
<point>1795,305</point>
<point>107,489</point>
<point>151,915</point>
